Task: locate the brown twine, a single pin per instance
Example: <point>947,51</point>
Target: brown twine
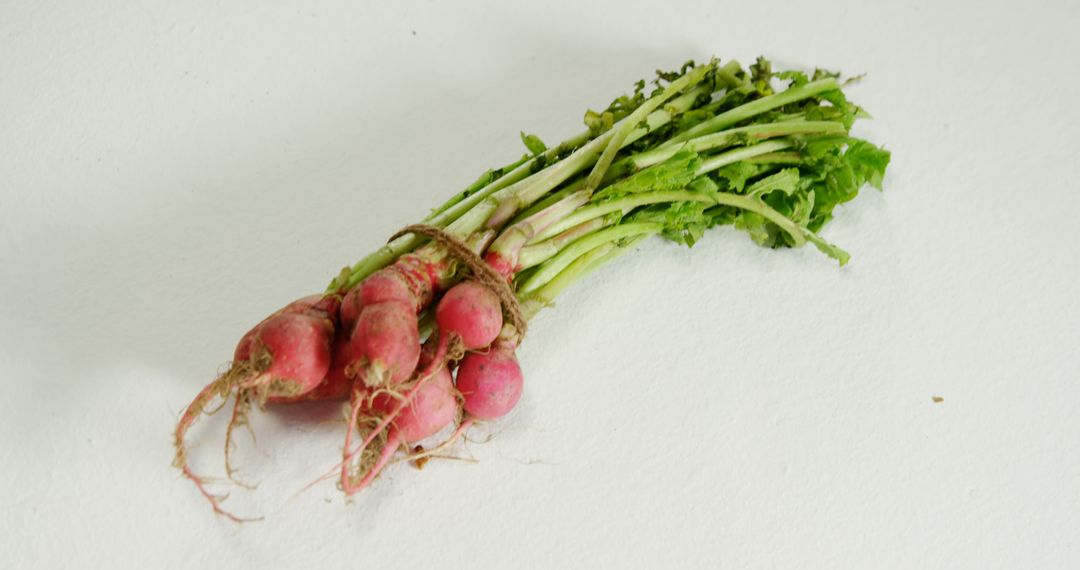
<point>481,272</point>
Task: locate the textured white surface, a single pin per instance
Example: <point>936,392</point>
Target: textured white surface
<point>170,173</point>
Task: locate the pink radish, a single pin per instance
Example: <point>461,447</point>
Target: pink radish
<point>336,385</point>
<point>469,314</point>
<point>432,408</point>
<point>490,381</point>
<point>472,312</point>
<point>317,303</point>
<point>385,338</point>
<point>390,284</point>
<point>287,354</point>
<point>425,410</point>
<point>296,350</point>
<point>385,345</point>
<point>350,309</point>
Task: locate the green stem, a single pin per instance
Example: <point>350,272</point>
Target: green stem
<point>485,179</point>
<point>529,191</point>
<point>582,266</point>
<point>736,135</point>
<point>537,253</point>
<point>758,207</point>
<point>566,190</point>
<point>590,252</point>
<point>755,107</point>
<point>742,153</point>
<point>552,176</point>
<point>508,245</point>
<point>630,123</point>
<point>525,192</point>
<point>385,255</point>
<point>524,171</point>
<point>792,157</point>
<point>623,204</point>
<point>555,265</point>
<point>469,213</point>
<point>445,215</point>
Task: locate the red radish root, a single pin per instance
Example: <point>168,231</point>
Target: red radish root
<point>360,401</point>
<point>428,408</point>
<point>285,355</point>
<point>422,455</point>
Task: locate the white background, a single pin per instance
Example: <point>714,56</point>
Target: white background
<point>169,174</point>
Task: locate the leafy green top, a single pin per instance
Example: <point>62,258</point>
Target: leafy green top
<point>780,198</point>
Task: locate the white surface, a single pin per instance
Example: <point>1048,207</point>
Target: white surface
<point>169,174</point>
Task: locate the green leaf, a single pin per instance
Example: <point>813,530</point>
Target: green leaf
<point>848,111</point>
<point>868,161</point>
<point>599,122</point>
<point>672,174</point>
<point>703,184</point>
<point>761,75</point>
<point>734,176</point>
<point>825,73</point>
<point>533,143</point>
<point>796,77</point>
<point>684,222</point>
<point>786,181</point>
<point>804,206</point>
<point>761,230</point>
<point>836,169</point>
<point>623,105</point>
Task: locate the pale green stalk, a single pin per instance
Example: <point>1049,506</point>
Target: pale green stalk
<point>756,107</point>
<point>556,264</point>
<point>723,159</point>
<point>620,132</point>
<point>623,204</point>
<point>537,253</point>
<point>580,267</point>
<point>733,136</point>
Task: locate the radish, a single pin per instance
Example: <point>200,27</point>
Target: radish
<point>490,381</point>
<point>429,406</point>
<point>468,315</point>
<point>385,338</point>
<point>385,345</point>
<point>299,306</point>
<point>472,312</point>
<point>296,350</point>
<point>336,385</point>
<point>285,355</point>
<point>385,341</point>
<point>350,309</point>
<point>394,284</point>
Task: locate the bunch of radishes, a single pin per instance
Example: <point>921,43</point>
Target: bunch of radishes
<point>711,145</point>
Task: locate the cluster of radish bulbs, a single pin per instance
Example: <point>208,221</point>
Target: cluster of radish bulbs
<point>366,346</point>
